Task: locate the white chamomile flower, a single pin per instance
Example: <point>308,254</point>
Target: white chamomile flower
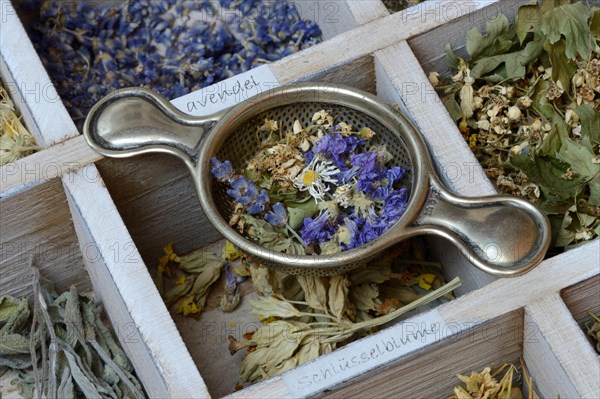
<point>315,176</point>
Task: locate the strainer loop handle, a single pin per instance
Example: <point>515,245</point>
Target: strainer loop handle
<point>502,235</point>
<point>134,121</point>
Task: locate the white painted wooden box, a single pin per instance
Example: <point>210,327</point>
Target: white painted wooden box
<point>101,224</point>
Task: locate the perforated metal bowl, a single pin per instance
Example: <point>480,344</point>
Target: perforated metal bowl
<point>501,235</point>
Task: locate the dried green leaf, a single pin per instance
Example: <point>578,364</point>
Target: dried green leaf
<point>13,344</point>
<point>338,295</point>
<point>580,159</point>
<point>89,389</point>
<point>563,68</point>
<point>547,172</point>
<point>9,306</point>
<point>453,107</point>
<point>299,210</point>
<point>451,58</point>
<point>66,389</point>
<point>204,281</point>
<point>14,313</point>
<point>515,63</point>
<point>590,126</point>
<point>314,291</point>
<point>595,24</point>
<point>571,22</point>
<point>16,362</point>
<point>528,17</point>
<point>497,40</point>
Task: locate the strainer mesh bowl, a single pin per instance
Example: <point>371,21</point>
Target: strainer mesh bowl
<point>242,144</point>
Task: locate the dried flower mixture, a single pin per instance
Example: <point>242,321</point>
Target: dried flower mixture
<point>319,189</point>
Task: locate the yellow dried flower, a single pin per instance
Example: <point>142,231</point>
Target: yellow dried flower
<point>15,140</point>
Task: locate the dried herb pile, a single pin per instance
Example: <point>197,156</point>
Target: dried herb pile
<point>500,384</point>
<point>15,140</point>
<point>527,101</point>
<point>60,348</point>
<point>319,189</point>
<point>92,48</point>
<point>305,317</point>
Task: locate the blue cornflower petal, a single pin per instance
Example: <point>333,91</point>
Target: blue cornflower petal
<point>221,170</point>
<point>278,216</point>
<point>367,162</point>
<point>394,174</point>
<point>346,176</point>
<point>317,229</point>
<point>395,205</point>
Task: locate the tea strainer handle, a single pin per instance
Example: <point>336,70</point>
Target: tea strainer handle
<point>501,235</point>
<point>135,121</point>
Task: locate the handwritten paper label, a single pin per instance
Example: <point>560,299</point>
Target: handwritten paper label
<point>361,356</point>
<point>227,93</point>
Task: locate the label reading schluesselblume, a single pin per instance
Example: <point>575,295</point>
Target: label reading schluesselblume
<point>227,93</point>
<point>366,354</point>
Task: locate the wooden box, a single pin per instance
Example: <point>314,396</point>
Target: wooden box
<point>114,217</point>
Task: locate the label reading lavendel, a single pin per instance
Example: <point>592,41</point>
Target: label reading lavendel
<point>361,356</point>
<point>227,93</point>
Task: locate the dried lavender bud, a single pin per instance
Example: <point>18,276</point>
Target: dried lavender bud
<point>171,46</point>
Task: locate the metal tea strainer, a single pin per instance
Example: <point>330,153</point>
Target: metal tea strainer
<point>501,235</point>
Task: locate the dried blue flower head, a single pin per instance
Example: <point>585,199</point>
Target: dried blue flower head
<point>278,216</point>
<point>317,230</point>
<point>243,191</point>
<point>223,171</point>
<point>260,204</point>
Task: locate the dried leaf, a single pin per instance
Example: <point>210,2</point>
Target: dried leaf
<point>314,292</point>
<point>528,17</point>
<point>580,159</point>
<point>571,22</point>
<point>178,291</point>
<point>266,307</point>
<point>310,349</point>
<point>364,296</point>
<point>338,295</point>
<point>497,40</point>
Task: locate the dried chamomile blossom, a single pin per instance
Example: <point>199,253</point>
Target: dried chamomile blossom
<point>526,101</point>
<point>15,140</point>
